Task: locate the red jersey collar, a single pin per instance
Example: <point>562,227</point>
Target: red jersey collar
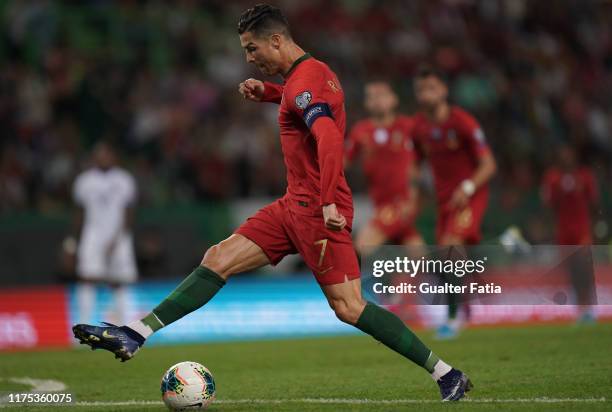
<point>305,56</point>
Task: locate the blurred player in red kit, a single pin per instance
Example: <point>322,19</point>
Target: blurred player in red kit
<point>313,218</point>
<point>462,165</point>
<point>571,191</point>
<point>384,143</point>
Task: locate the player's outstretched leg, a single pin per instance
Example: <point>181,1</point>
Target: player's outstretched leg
<point>123,341</point>
<point>384,326</point>
<point>233,255</point>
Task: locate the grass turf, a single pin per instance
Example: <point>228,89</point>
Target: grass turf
<point>504,364</point>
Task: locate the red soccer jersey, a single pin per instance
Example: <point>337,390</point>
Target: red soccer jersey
<point>571,194</point>
<point>453,149</point>
<point>388,154</point>
<point>311,90</point>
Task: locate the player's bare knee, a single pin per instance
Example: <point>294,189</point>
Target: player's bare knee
<point>360,247</point>
<point>347,311</point>
<point>451,240</point>
<point>213,260</point>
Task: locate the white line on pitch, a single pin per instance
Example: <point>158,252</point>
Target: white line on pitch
<point>330,401</point>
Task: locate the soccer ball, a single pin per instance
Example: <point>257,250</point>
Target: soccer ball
<point>186,386</point>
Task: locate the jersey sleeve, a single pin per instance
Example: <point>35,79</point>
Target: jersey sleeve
<point>409,140</point>
<point>273,92</point>
<point>473,135</point>
<point>547,190</point>
<point>310,97</point>
<point>591,186</point>
<point>416,137</point>
<point>353,143</point>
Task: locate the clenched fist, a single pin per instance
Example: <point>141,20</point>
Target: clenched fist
<point>251,89</point>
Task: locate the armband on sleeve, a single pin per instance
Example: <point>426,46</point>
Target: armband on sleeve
<point>314,111</point>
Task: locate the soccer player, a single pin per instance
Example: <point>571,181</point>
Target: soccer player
<point>105,195</point>
<point>313,218</point>
<point>571,191</point>
<point>462,164</point>
<point>384,142</point>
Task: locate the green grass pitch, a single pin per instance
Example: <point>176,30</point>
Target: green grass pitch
<point>543,368</point>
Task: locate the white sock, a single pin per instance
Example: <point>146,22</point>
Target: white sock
<point>455,323</point>
<point>440,369</point>
<point>587,310</point>
<point>122,304</point>
<point>86,300</point>
<point>141,328</point>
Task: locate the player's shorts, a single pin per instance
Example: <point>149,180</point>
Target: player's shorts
<point>463,223</point>
<point>279,232</point>
<point>396,220</point>
<point>94,265</point>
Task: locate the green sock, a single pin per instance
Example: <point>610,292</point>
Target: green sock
<point>453,307</point>
<point>387,328</point>
<point>193,293</point>
<point>452,300</point>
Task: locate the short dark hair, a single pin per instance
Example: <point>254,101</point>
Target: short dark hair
<point>381,80</point>
<point>263,19</point>
<point>428,70</point>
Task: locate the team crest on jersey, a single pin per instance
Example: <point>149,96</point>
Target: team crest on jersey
<point>568,183</point>
<point>479,136</point>
<point>381,136</point>
<point>303,99</point>
<point>436,133</point>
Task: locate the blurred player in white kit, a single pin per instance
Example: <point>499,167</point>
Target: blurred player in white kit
<point>105,195</point>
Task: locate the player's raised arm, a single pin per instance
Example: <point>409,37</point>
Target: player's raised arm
<point>258,91</point>
<point>353,146</point>
<point>252,89</point>
<point>272,92</point>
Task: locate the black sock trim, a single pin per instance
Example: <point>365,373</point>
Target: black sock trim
<point>364,314</point>
<point>211,275</point>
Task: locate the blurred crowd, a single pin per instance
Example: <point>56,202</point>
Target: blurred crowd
<point>159,80</point>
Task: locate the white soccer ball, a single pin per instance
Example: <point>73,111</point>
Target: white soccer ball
<point>187,386</point>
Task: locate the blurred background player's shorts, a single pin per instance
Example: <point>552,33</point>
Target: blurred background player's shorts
<point>396,220</point>
<point>93,263</point>
<point>463,223</point>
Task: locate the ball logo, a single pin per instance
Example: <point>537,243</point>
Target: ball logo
<point>303,99</point>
